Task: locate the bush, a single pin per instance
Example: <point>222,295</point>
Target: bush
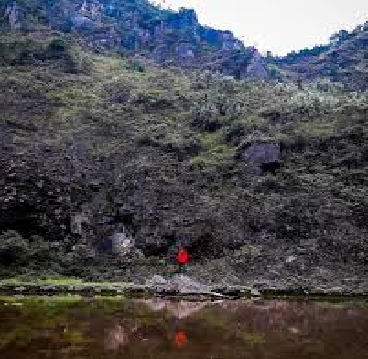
<point>35,251</point>
<point>13,248</point>
<point>57,48</point>
<point>135,65</point>
<point>235,133</point>
<point>19,51</point>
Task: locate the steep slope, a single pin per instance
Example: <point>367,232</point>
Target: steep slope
<point>343,60</point>
<point>109,162</point>
<point>106,159</point>
<point>137,27</point>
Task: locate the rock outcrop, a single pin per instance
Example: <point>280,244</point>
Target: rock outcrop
<point>342,60</point>
<point>262,157</point>
<point>14,14</point>
<point>256,67</point>
<point>180,284</point>
<point>167,37</point>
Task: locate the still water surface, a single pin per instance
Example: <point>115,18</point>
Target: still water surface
<point>158,328</point>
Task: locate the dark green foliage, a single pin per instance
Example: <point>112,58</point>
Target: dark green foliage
<point>22,50</point>
<point>294,57</point>
<point>14,249</point>
<point>135,65</point>
<point>19,52</point>
<point>57,48</point>
<point>235,133</point>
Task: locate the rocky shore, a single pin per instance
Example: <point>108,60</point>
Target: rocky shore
<point>179,286</point>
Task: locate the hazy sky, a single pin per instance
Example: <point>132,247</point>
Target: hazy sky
<point>278,25</point>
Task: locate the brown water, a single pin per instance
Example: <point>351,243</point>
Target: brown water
<point>120,328</point>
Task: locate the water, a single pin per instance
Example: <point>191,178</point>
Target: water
<point>68,327</point>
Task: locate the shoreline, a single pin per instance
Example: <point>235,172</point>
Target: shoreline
<point>133,290</point>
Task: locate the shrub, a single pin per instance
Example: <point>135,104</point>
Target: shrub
<point>235,133</point>
<point>13,248</point>
<point>75,62</point>
<point>135,65</point>
<point>57,48</point>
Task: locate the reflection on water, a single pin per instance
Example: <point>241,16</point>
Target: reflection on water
<point>181,339</point>
<point>179,309</point>
<point>160,328</point>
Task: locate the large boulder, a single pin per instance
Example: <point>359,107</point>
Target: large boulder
<point>122,243</point>
<point>262,157</point>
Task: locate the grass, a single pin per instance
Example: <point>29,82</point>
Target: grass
<point>58,281</point>
<point>317,129</point>
<point>214,151</point>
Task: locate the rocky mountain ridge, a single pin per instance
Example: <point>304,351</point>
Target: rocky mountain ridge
<point>343,60</point>
<point>138,27</point>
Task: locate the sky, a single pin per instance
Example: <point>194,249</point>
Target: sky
<point>278,25</point>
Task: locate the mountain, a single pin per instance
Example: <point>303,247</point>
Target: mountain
<point>343,60</point>
<point>110,159</point>
<point>136,26</point>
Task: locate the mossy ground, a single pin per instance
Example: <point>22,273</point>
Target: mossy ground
<point>168,142</point>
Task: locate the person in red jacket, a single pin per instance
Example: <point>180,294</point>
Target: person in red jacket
<point>182,257</point>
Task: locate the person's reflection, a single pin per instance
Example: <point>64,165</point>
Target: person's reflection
<point>122,333</point>
<point>180,339</point>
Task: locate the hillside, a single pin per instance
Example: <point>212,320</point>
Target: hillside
<point>344,60</point>
<point>138,27</point>
<point>110,161</point>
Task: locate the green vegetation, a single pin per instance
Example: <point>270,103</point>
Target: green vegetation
<point>96,141</point>
<point>342,61</point>
<point>54,281</point>
<point>150,117</point>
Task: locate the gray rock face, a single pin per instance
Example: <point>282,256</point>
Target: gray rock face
<point>291,259</point>
<point>184,284</point>
<point>262,155</point>
<point>160,54</point>
<point>92,9</point>
<point>176,38</point>
<point>79,21</point>
<point>107,39</point>
<point>88,13</point>
<point>178,283</point>
<point>255,292</point>
<point>77,222</point>
<point>14,14</point>
<point>122,243</point>
<point>229,42</point>
<point>157,283</point>
<point>256,68</point>
<point>185,52</point>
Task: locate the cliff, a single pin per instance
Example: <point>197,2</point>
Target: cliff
<point>137,27</point>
